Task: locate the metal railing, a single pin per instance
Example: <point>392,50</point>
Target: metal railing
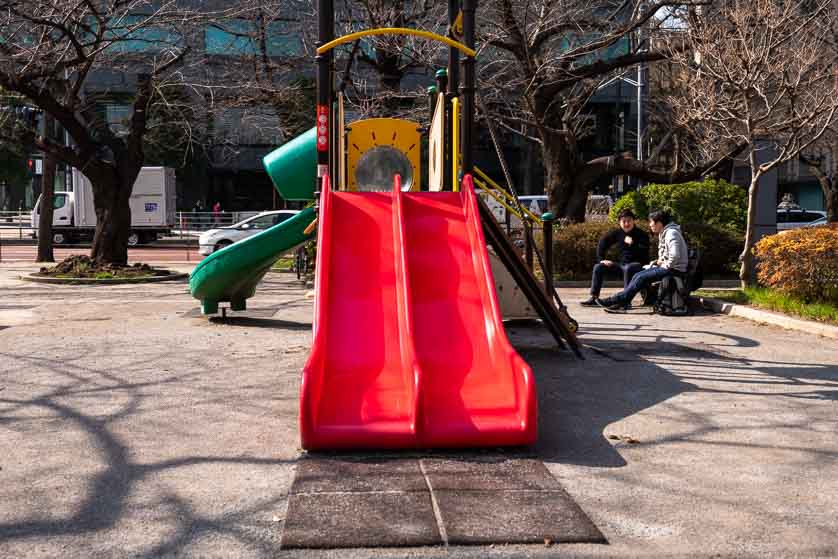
<point>16,224</point>
<point>195,223</point>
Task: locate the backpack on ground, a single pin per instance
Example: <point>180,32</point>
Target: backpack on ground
<point>673,297</point>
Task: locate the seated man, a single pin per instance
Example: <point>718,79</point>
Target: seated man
<point>634,253</point>
<point>672,259</point>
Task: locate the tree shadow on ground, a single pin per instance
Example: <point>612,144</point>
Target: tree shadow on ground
<point>95,401</point>
<point>579,399</point>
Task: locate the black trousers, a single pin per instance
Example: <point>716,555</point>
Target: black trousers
<point>627,271</point>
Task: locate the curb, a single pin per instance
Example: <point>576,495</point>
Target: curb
<point>768,317</point>
<point>93,281</point>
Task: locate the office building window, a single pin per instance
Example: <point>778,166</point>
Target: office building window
<point>239,37</point>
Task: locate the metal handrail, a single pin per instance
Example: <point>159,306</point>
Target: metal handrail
<point>505,203</point>
<point>509,201</point>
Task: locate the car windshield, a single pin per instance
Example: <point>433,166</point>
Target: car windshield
<point>262,221</point>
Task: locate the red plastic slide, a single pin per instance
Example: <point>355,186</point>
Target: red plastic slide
<point>409,348</point>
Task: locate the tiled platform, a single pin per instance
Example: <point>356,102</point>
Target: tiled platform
<point>341,502</point>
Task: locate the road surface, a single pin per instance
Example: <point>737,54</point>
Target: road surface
<point>27,253</point>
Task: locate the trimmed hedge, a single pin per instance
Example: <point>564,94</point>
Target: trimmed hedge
<point>802,263</point>
<point>574,248</point>
<point>716,203</point>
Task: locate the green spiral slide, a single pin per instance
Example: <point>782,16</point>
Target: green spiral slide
<point>232,273</point>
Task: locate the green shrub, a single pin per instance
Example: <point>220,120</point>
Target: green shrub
<point>802,263</point>
<point>574,248</point>
<point>720,248</point>
<point>633,201</point>
<point>716,203</point>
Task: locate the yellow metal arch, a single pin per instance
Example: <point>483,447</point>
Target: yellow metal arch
<point>397,31</point>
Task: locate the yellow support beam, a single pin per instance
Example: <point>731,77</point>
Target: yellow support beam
<point>397,31</point>
<point>505,203</point>
<point>455,144</point>
<point>507,195</point>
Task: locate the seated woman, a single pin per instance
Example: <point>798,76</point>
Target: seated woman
<point>672,259</point>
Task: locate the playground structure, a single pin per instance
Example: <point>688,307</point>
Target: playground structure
<point>409,347</point>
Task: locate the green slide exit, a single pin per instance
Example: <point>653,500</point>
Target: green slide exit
<point>232,273</point>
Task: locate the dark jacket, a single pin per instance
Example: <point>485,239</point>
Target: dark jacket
<point>637,251</point>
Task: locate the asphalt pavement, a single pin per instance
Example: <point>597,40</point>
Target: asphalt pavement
<point>130,426</point>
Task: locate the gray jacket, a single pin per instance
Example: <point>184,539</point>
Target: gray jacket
<point>672,248</point>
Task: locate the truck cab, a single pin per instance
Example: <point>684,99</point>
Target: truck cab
<point>62,216</point>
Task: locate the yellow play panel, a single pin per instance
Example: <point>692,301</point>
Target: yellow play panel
<point>377,149</point>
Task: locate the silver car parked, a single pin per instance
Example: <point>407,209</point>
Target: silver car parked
<point>216,239</point>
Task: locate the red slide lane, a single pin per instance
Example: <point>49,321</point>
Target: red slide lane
<point>476,390</point>
<point>409,348</point>
<point>359,385</point>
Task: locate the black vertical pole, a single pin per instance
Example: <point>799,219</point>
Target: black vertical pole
<point>431,102</point>
<point>453,54</point>
<point>442,80</point>
<point>325,33</point>
<point>467,89</point>
<point>548,254</point>
<point>453,86</point>
<point>442,86</point>
<point>528,252</point>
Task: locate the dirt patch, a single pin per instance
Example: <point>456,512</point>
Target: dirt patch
<point>83,267</point>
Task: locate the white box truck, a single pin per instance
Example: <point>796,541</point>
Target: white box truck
<point>152,208</point>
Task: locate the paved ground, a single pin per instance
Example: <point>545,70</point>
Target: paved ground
<point>132,427</point>
<point>27,253</point>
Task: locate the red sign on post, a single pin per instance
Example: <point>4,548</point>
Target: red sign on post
<point>322,128</point>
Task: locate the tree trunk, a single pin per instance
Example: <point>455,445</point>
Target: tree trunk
<point>747,274</point>
<point>828,186</point>
<point>113,221</point>
<point>560,166</point>
<point>45,253</point>
<point>830,194</point>
<point>832,202</point>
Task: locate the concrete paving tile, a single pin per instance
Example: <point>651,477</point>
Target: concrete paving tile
<point>346,520</point>
<point>488,474</point>
<point>485,517</point>
<point>344,474</point>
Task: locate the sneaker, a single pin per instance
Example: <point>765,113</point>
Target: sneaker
<point>612,304</point>
<point>592,302</point>
<point>605,303</point>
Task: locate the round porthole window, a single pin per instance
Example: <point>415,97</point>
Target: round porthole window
<point>377,167</point>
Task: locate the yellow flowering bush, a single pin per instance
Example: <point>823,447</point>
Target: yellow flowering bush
<point>802,263</point>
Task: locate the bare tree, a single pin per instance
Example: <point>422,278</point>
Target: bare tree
<point>269,91</point>
<point>390,73</point>
<point>543,61</point>
<point>52,51</point>
<point>761,72</point>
